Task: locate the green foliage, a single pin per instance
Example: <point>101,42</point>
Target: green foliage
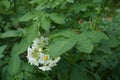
<point>2,48</point>
<point>84,44</point>
<point>14,65</point>
<point>57,18</point>
<point>62,41</point>
<point>31,33</point>
<point>12,33</point>
<point>84,33</point>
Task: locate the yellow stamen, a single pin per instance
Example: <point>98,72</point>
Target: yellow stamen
<point>40,49</point>
<point>45,58</point>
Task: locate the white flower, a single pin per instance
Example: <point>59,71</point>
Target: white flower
<point>40,42</point>
<point>54,62</point>
<point>45,68</point>
<point>33,56</point>
<point>37,54</point>
<point>44,59</point>
<point>48,63</point>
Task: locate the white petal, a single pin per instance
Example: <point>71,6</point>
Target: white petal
<point>56,59</point>
<point>45,68</point>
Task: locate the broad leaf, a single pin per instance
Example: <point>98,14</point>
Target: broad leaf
<point>84,44</point>
<point>14,65</point>
<point>31,34</point>
<point>57,18</point>
<point>62,41</point>
<point>96,36</point>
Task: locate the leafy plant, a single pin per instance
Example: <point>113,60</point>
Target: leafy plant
<point>84,33</point>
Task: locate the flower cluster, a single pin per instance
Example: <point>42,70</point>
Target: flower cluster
<point>38,55</point>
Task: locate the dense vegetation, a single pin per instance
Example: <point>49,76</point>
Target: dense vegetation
<point>84,33</point>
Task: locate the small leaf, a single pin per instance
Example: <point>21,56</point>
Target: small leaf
<point>12,33</point>
<point>57,18</point>
<point>45,23</point>
<point>2,48</point>
<point>62,41</point>
<point>28,16</point>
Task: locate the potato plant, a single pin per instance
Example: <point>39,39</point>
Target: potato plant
<point>59,40</point>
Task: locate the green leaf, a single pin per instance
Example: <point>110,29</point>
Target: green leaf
<point>12,33</point>
<point>28,16</point>
<point>15,62</point>
<point>97,1</point>
<point>31,34</point>
<point>6,3</point>
<point>57,18</point>
<point>80,7</point>
<point>84,44</point>
<point>96,36</point>
<point>14,65</point>
<point>86,40</point>
<point>77,74</point>
<point>71,1</point>
<point>80,73</point>
<point>45,23</point>
<point>4,73</point>
<point>62,41</point>
<point>2,48</point>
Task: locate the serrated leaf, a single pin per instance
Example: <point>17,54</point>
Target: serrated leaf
<point>57,18</point>
<point>62,41</point>
<point>84,44</point>
<point>45,23</point>
<point>2,48</point>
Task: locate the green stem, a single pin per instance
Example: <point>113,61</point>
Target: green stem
<point>97,18</point>
<point>100,10</point>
